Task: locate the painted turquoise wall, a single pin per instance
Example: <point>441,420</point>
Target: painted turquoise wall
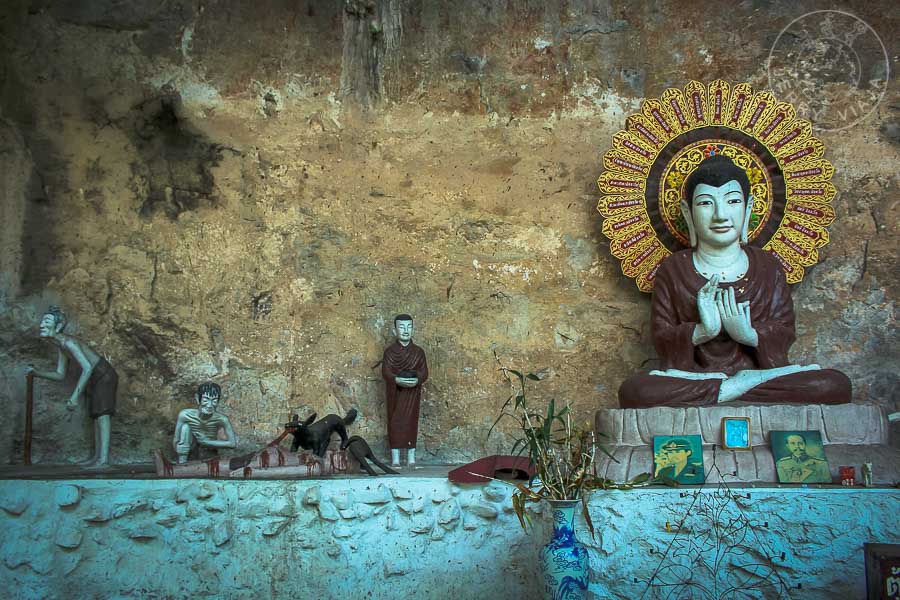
<point>398,537</point>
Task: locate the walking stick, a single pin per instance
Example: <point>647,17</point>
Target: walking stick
<point>29,406</point>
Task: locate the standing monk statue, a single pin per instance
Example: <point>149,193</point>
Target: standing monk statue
<point>98,380</point>
<point>722,318</point>
<point>404,370</point>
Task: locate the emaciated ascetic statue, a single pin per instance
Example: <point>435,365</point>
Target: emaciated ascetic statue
<point>98,380</point>
<point>722,318</point>
<point>198,428</point>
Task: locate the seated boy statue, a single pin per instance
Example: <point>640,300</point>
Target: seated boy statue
<point>198,428</point>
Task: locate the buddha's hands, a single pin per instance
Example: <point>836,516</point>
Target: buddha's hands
<point>735,318</point>
<point>710,321</point>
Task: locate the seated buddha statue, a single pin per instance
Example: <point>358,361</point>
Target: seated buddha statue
<point>722,319</point>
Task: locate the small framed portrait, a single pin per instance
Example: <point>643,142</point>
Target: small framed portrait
<point>799,457</point>
<point>736,433</point>
<point>678,457</point>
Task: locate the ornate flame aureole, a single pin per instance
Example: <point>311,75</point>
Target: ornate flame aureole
<point>644,172</point>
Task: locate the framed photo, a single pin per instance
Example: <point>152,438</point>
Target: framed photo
<point>678,457</point>
<point>882,571</point>
<point>736,433</point>
<point>799,457</point>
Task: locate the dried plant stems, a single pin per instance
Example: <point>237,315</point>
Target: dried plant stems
<point>562,453</point>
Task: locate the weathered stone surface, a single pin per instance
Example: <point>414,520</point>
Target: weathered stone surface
<point>143,532</point>
<point>68,495</point>
<point>69,562</point>
<point>192,491</point>
<point>328,512</point>
<point>488,511</point>
<point>440,495</point>
<point>421,523</point>
<point>365,511</point>
<point>412,506</point>
<point>312,497</point>
<point>449,515</point>
<point>495,491</point>
<point>283,505</point>
<point>98,514</point>
<point>170,516</point>
<point>342,500</point>
<point>14,501</point>
<point>68,537</point>
<point>396,566</point>
<point>343,532</point>
<point>129,508</point>
<point>332,549</point>
<point>216,504</point>
<point>273,527</point>
<point>222,533</point>
<point>254,509</point>
<point>308,540</point>
<point>378,495</point>
<point>400,492</point>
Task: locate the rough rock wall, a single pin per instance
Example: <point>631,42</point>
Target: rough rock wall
<point>213,203</point>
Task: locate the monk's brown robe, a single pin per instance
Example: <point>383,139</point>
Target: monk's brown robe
<point>403,403</point>
<point>674,316</point>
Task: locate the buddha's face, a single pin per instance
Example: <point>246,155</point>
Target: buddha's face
<point>404,331</point>
<point>718,214</point>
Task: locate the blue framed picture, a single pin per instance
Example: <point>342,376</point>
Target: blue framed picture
<point>736,433</point>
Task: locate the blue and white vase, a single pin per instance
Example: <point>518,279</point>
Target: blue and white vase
<point>564,560</point>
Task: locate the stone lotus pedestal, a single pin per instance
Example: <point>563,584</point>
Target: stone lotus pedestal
<point>852,434</point>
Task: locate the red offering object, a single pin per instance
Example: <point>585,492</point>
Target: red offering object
<point>848,475</point>
<point>493,467</point>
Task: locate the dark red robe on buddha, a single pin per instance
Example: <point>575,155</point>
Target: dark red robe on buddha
<point>674,316</point>
<point>403,403</point>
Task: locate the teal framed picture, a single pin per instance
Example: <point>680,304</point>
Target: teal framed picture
<point>736,433</point>
<point>678,457</point>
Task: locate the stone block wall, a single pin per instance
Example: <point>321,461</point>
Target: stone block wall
<point>404,537</point>
<point>372,538</point>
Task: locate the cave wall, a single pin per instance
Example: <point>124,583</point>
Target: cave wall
<point>249,193</point>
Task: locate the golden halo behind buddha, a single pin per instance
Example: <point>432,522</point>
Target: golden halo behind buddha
<point>645,169</point>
